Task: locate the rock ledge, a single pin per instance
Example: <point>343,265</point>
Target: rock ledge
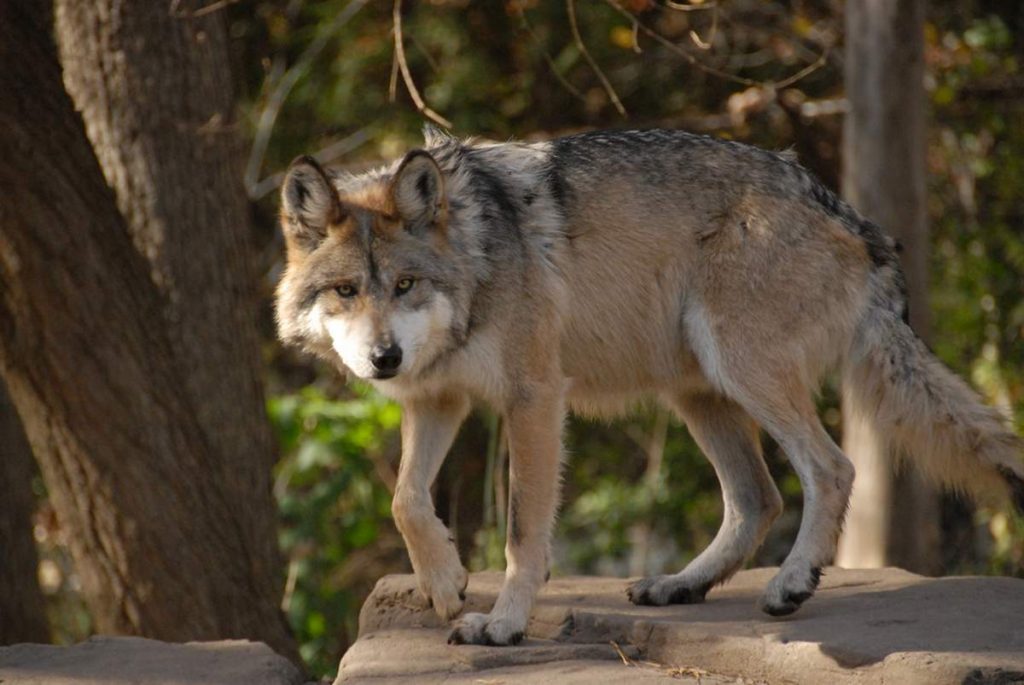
<point>134,660</point>
<point>862,627</point>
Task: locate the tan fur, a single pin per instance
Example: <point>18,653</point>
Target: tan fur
<point>591,273</point>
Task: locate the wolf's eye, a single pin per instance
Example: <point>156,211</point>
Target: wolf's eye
<point>404,285</point>
<point>346,290</point>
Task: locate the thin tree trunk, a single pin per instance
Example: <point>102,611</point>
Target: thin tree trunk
<point>162,547</point>
<point>893,519</point>
<point>22,608</point>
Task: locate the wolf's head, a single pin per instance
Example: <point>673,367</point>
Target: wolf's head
<point>371,277</point>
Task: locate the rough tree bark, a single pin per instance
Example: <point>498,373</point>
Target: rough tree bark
<point>164,546</point>
<point>22,608</point>
<point>154,89</point>
<point>893,518</point>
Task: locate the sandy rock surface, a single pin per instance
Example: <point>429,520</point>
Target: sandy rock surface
<point>862,627</point>
<point>134,660</point>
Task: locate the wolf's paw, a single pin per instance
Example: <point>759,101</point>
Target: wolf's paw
<point>485,629</point>
<point>444,587</point>
<point>662,590</point>
<point>790,588</point>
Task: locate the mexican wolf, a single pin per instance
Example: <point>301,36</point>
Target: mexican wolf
<point>597,270</point>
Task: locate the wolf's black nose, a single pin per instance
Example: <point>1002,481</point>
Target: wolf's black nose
<point>386,358</point>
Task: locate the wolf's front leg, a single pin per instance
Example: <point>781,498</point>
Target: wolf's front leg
<point>428,430</point>
<point>535,448</point>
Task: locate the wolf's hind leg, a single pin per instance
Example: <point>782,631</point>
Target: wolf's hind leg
<point>729,438</point>
<point>826,476</point>
<point>428,430</point>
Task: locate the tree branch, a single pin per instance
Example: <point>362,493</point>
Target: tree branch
<point>571,89</point>
<point>407,76</point>
<point>786,82</point>
<point>570,7</point>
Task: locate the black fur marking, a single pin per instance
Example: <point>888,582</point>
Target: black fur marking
<point>556,175</point>
<point>298,193</point>
<point>640,593</point>
<point>685,595</point>
<point>462,594</point>
<point>881,250</point>
<point>826,198</point>
<point>455,638</point>
<point>373,269</point>
<point>798,598</point>
<point>423,186</point>
<point>492,193</point>
<point>816,574</point>
<point>1016,485</point>
<point>366,234</point>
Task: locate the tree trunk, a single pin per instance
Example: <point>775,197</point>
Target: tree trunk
<point>893,519</point>
<point>163,547</point>
<point>154,90</point>
<point>22,608</point>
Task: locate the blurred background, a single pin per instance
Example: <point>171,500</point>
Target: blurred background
<point>931,94</point>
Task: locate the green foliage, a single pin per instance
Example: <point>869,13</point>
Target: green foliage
<point>613,495</point>
<point>332,503</point>
<point>978,260</point>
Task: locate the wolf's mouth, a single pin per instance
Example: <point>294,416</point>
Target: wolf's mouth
<point>384,375</point>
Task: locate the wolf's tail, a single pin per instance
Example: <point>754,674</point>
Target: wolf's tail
<point>922,408</point>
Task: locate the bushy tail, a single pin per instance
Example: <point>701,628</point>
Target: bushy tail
<point>928,413</point>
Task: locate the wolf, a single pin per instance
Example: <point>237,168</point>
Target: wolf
<point>601,269</point>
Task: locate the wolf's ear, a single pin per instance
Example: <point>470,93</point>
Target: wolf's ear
<point>309,203</point>
<point>417,192</point>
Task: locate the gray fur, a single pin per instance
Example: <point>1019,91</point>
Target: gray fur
<point>593,271</point>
